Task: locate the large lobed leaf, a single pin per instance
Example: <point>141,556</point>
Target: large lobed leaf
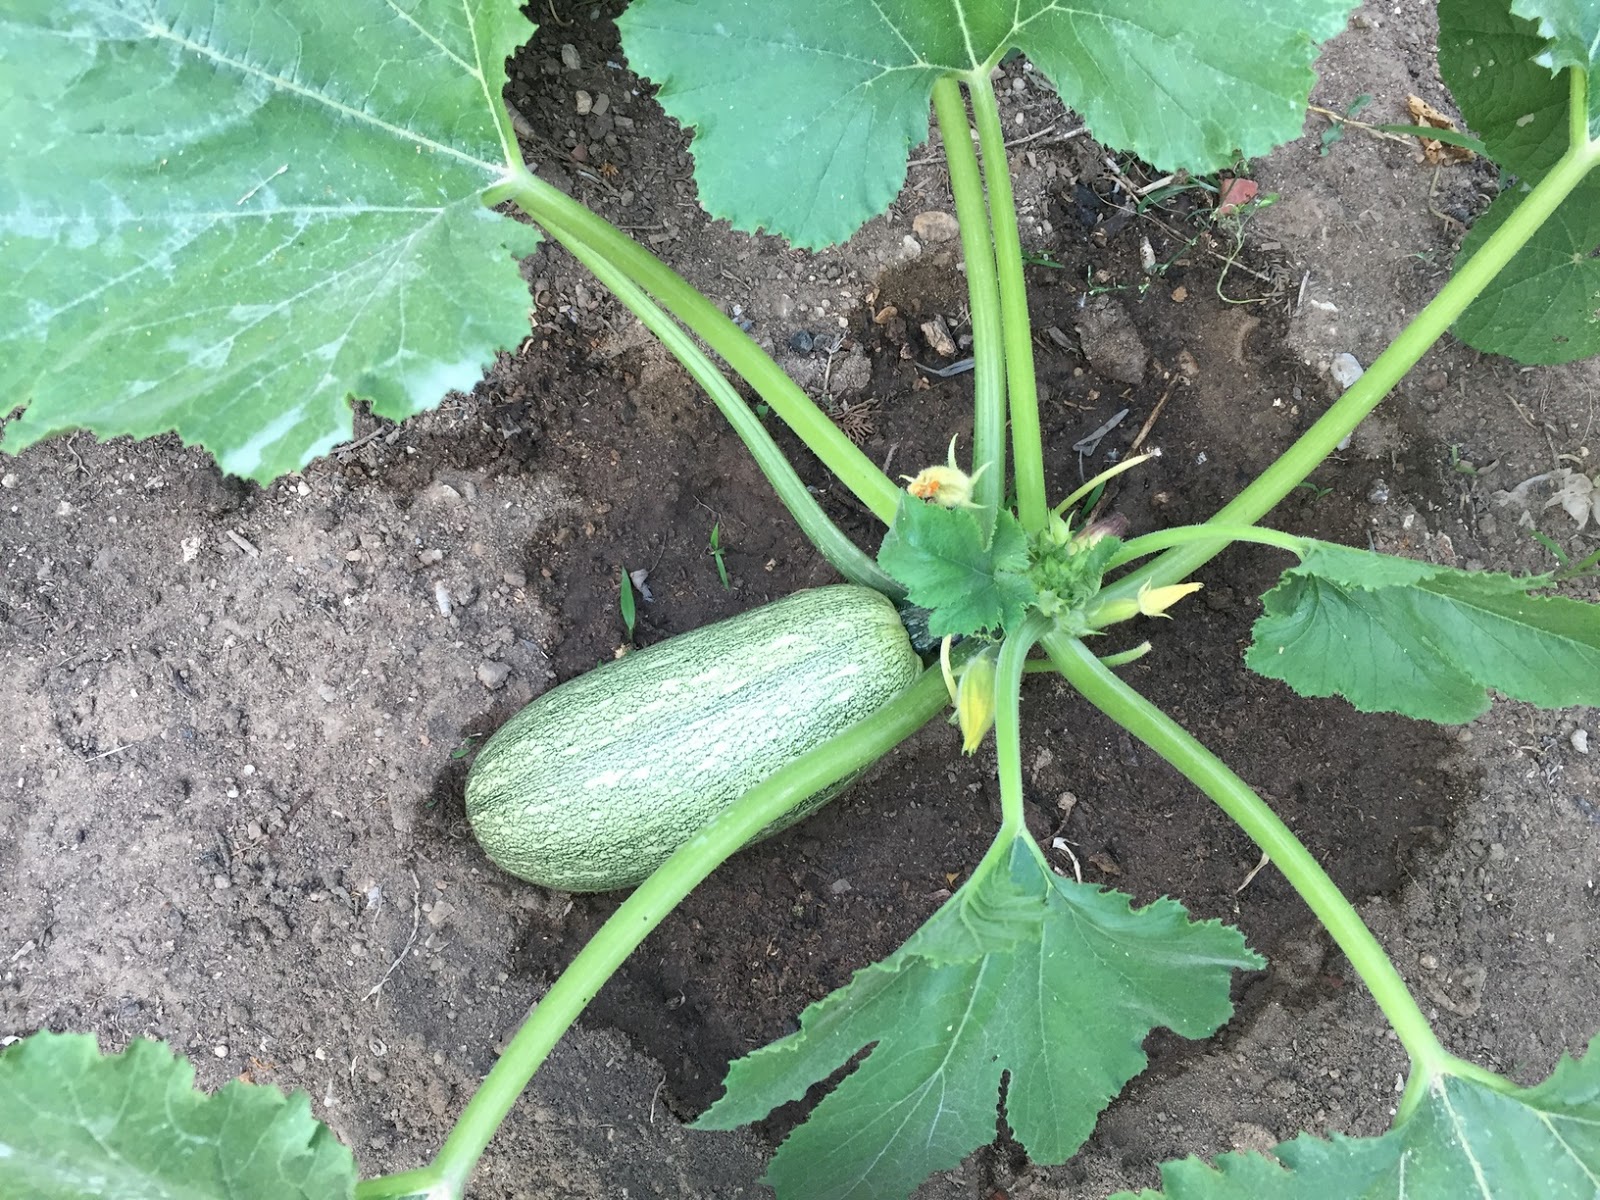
<point>804,110</point>
<point>1023,973</point>
<point>1542,307</point>
<point>226,217</point>
<point>1394,635</point>
<point>1465,1142</point>
<point>76,1123</point>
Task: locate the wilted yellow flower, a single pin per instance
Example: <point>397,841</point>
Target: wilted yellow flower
<point>948,486</point>
<point>975,701</point>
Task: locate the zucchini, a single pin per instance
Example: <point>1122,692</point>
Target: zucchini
<point>599,780</point>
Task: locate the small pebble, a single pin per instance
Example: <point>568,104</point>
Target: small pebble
<point>1345,370</point>
<point>516,579</point>
<point>1378,493</point>
<point>493,675</point>
<point>601,103</point>
<point>1580,740</point>
<point>569,56</point>
<point>220,1051</point>
<point>802,341</point>
<point>222,883</point>
<point>585,103</point>
<point>935,226</point>
<point>9,479</point>
<point>1436,382</point>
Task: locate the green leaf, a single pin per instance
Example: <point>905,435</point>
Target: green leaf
<point>1465,1140</point>
<point>289,214</point>
<point>1394,635</point>
<point>75,1123</point>
<point>1021,972</point>
<point>940,556</point>
<point>1572,28</point>
<point>1544,307</point>
<point>804,111</point>
<point>1515,105</point>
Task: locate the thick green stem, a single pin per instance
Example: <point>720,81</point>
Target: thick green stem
<point>864,742</point>
<point>1008,723</point>
<point>1215,534</point>
<point>1469,280</point>
<point>1021,387</point>
<point>1207,772</point>
<point>847,558</point>
<point>563,216</point>
<point>983,295</point>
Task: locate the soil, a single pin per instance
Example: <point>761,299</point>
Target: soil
<point>243,715</point>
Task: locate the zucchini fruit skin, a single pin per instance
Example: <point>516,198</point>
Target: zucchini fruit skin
<point>593,785</point>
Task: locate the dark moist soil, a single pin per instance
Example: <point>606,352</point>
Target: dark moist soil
<point>783,924</point>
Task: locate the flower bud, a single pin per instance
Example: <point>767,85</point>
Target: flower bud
<point>975,701</point>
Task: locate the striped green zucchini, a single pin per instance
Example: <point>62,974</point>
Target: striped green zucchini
<point>599,780</point>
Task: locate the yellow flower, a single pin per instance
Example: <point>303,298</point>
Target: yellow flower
<point>1150,602</point>
<point>948,486</point>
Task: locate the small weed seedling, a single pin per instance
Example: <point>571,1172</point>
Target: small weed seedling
<point>714,548</point>
<point>625,602</point>
<point>347,196</point>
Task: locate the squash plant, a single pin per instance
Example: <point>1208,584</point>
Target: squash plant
<point>287,219</point>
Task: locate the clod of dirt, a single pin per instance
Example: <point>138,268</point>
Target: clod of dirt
<point>935,226</point>
<point>1110,341</point>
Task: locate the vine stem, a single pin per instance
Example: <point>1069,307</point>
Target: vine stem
<point>1464,286</point>
<point>862,743</point>
<point>563,217</point>
<point>1212,532</point>
<point>983,299</point>
<point>845,556</point>
<point>1021,385</point>
<point>1206,771</point>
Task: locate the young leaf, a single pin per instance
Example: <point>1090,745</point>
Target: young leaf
<point>834,95</point>
<point>940,556</point>
<point>1023,972</point>
<point>1394,635</point>
<point>290,214</point>
<point>1465,1140</point>
<point>76,1123</point>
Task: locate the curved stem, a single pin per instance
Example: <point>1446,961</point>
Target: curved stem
<point>1207,772</point>
<point>652,900</point>
<point>983,298</point>
<point>1021,387</point>
<point>562,217</point>
<point>1217,534</point>
<point>847,558</point>
<point>1008,723</point>
<point>1469,280</point>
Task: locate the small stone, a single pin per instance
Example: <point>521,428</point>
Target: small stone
<point>1436,382</point>
<point>840,886</point>
<point>221,1051</point>
<point>1345,369</point>
<point>441,912</point>
<point>1180,294</point>
<point>601,103</point>
<point>253,831</point>
<point>493,675</point>
<point>1378,493</point>
<point>802,341</point>
<point>1580,740</point>
<point>938,335</point>
<point>9,479</point>
<point>515,578</point>
<point>1428,962</point>
<point>585,103</point>
<point>935,226</point>
<point>221,882</point>
<point>569,56</point>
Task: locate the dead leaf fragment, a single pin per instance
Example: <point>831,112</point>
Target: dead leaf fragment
<point>1435,152</point>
